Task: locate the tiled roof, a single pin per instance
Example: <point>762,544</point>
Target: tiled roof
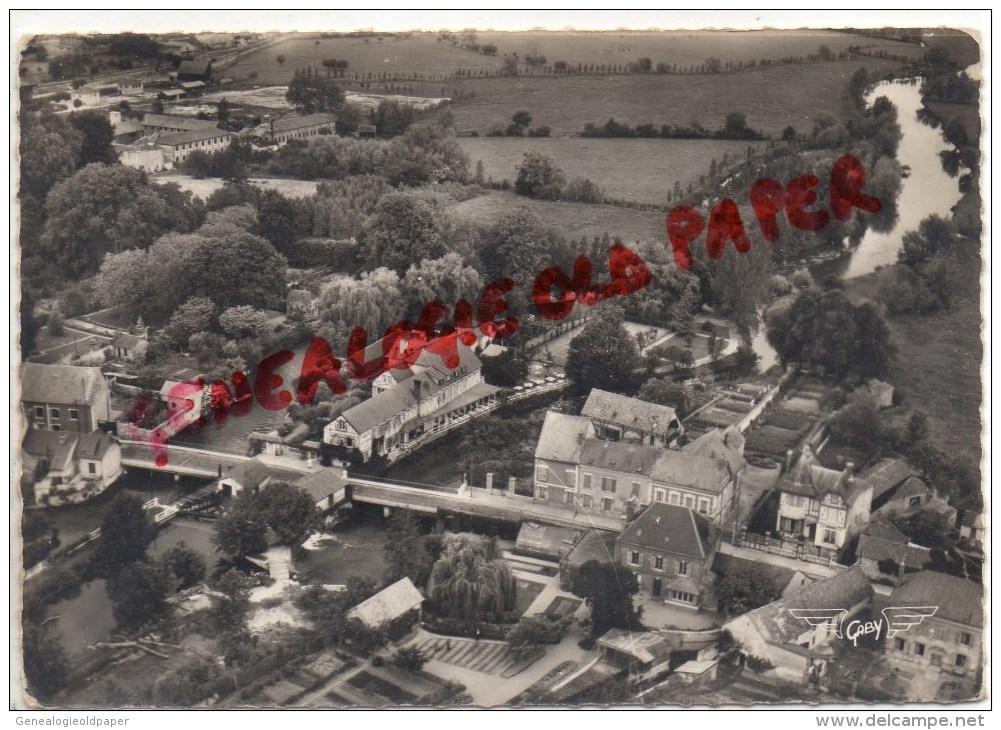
<point>843,590</point>
<point>320,485</point>
<point>192,135</point>
<point>388,604</point>
<point>874,548</point>
<point>562,437</point>
<point>194,67</point>
<point>594,545</point>
<point>252,473</point>
<point>548,539</point>
<point>65,384</point>
<point>127,341</point>
<point>628,412</point>
<point>957,599</point>
<point>716,444</point>
<point>623,456</point>
<point>128,126</point>
<point>170,122</point>
<point>289,124</point>
<point>883,529</point>
<point>669,528</point>
<point>887,474</point>
<point>644,645</point>
<point>810,479</point>
<point>94,445</point>
<point>691,470</point>
<point>56,446</point>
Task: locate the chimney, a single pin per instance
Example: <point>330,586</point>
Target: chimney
<point>789,455</point>
<point>580,437</point>
<point>417,389</point>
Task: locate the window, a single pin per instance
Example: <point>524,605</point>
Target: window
<point>899,644</point>
<point>919,649</point>
<point>54,412</point>
<point>587,481</point>
<point>588,501</point>
<point>56,427</point>
<point>966,639</point>
<point>74,414</point>
<point>658,562</point>
<point>689,502</point>
<point>541,493</point>
<point>675,498</point>
<point>541,474</point>
<point>703,506</point>
<point>961,660</point>
<point>659,495</point>
<point>830,537</point>
<point>914,501</point>
<point>567,497</point>
<point>606,504</point>
<point>683,596</point>
<point>682,567</point>
<point>607,484</point>
<point>571,478</point>
<point>91,467</point>
<point>634,558</point>
<point>39,412</point>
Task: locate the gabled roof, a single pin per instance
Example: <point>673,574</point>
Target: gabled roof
<point>716,444</point>
<point>173,139</point>
<point>628,412</point>
<point>808,478</point>
<point>56,446</point>
<point>874,548</point>
<point>562,437</point>
<point>252,473</point>
<point>66,384</point>
<point>622,456</point>
<point>593,545</point>
<point>548,539</point>
<point>842,590</point>
<point>388,604</point>
<point>127,341</point>
<point>691,470</point>
<point>171,122</point>
<point>672,529</point>
<point>128,126</point>
<point>883,529</point>
<point>289,124</point>
<point>643,645</point>
<point>195,67</point>
<point>320,485</point>
<point>886,474</point>
<point>957,599</point>
<point>94,445</point>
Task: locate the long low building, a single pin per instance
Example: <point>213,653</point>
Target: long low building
<point>170,123</point>
<point>178,145</point>
<point>280,131</point>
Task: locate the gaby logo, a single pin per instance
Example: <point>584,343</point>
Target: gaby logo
<point>896,620</point>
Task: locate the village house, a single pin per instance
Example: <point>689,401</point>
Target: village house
<point>85,96</point>
<point>898,490</point>
<point>972,526</point>
<point>670,550</point>
<point>640,653</point>
<point>177,146</point>
<point>597,545</point>
<point>800,648</point>
<point>280,131</point>
<point>328,488</point>
<point>130,87</point>
<point>880,392</point>
<point>168,123</point>
<point>171,94</point>
<point>584,473</point>
<point>125,131</point>
<point>178,48</point>
<point>195,70</point>
<point>950,637</point>
<point>621,418</point>
<point>822,507</point>
<point>142,156</point>
<point>399,601</point>
<point>64,397</point>
<point>409,406</point>
<point>70,466</point>
<point>129,347</point>
<point>886,555</point>
<point>253,475</point>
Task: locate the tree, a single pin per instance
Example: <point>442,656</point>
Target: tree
<point>230,602</point>
<point>519,245</point>
<point>240,531</point>
<point>279,219</point>
<point>280,58</point>
<point>311,93</point>
<point>643,65</point>
<point>505,370</point>
<point>446,279</point>
<point>373,302</point>
<point>186,565</point>
<point>604,355</point>
<point>666,393</point>
<point>509,66</point>
<point>235,269</point>
<point>97,135</point>
<point>857,424</point>
<point>349,116</point>
<point>406,227</point>
<point>50,150</point>
<point>288,511</point>
<point>789,134</point>
<point>714,65</point>
<point>410,658</point>
<point>138,594</point>
<point>747,590</point>
<point>198,314</point>
<point>531,632</point>
<point>522,119</point>
<point>538,177</point>
<point>393,117</point>
<point>126,531</point>
<point>243,322</point>
<point>824,53</point>
<point>46,666</point>
<point>56,324</point>
<point>222,110</point>
<point>402,548</point>
<point>470,581</point>
<point>934,237</point>
<point>678,355</point>
<point>425,153</point>
<point>917,427</point>
<point>608,589</point>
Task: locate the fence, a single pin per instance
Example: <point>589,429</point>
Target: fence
<point>797,549</point>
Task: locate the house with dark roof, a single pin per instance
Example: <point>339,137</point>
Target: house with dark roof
<point>153,123</point>
<point>252,475</point>
<point>411,406</point>
<point>130,347</point>
<point>621,418</point>
<point>796,633</point>
<point>950,637</point>
<point>972,526</point>
<point>822,507</point>
<point>280,131</point>
<point>177,146</point>
<point>595,544</point>
<point>195,70</point>
<point>670,550</point>
<point>401,599</point>
<point>327,487</point>
<point>899,490</point>
<point>70,466</point>
<point>641,653</point>
<point>64,397</point>
<point>886,555</point>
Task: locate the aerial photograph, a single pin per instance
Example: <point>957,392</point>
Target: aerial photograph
<point>473,368</point>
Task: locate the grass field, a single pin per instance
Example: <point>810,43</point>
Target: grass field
<point>566,103</point>
<point>640,170</point>
<point>204,187</point>
<point>938,360</point>
<point>571,219</point>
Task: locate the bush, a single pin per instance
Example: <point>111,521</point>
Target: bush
<point>410,658</point>
<point>466,629</point>
<point>341,255</point>
<point>587,643</point>
<point>582,190</point>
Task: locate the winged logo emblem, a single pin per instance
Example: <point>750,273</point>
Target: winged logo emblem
<point>831,618</point>
<point>901,618</point>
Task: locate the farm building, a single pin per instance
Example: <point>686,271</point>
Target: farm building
<point>178,145</point>
<point>280,131</point>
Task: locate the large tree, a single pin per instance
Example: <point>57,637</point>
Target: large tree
<point>289,512</point>
<point>539,177</point>
<point>426,153</point>
<point>403,548</point>
<point>235,269</point>
<point>126,532</point>
<point>46,666</point>
<point>608,589</point>
<point>311,92</point>
<point>138,594</point>
<point>447,279</point>
<point>743,591</point>
<point>373,301</point>
<point>97,137</point>
<point>406,227</point>
<point>230,602</point>
<point>604,355</point>
<point>50,152</point>
<point>470,581</point>
<point>240,531</point>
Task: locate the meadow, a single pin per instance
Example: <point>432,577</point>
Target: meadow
<point>637,170</point>
<point>770,98</point>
